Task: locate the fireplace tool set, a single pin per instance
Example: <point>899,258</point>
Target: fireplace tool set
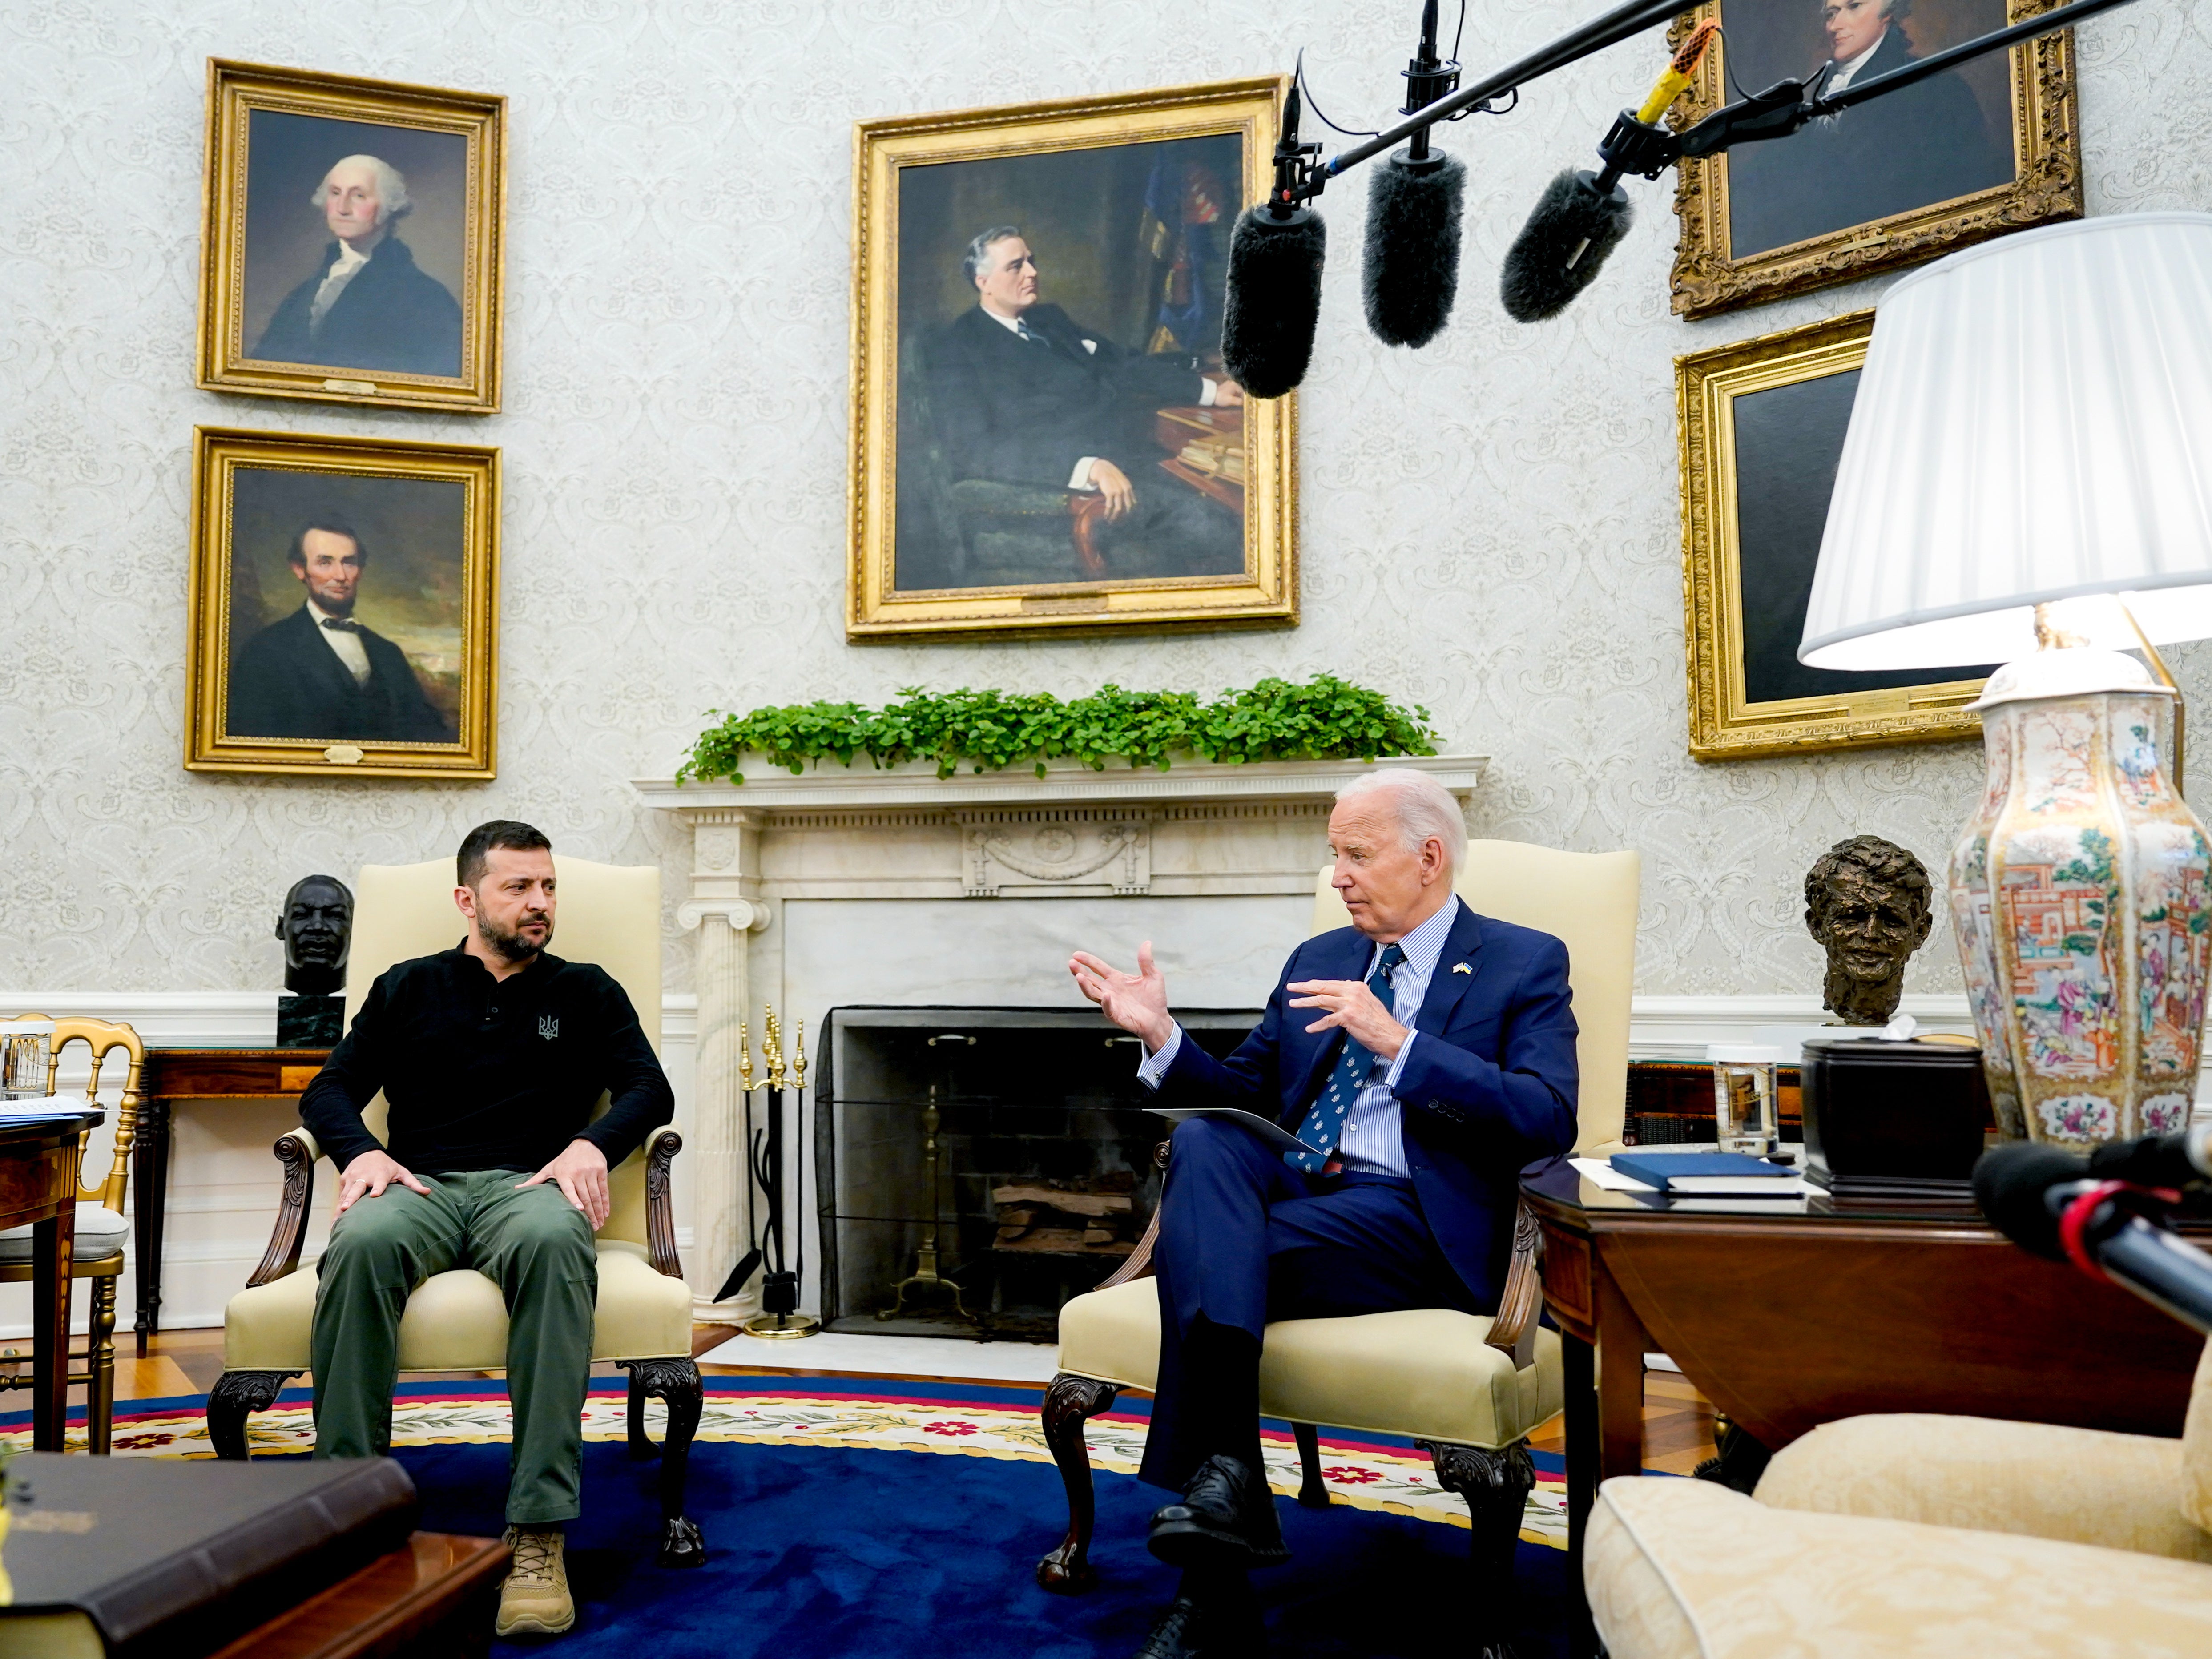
<point>779,1315</point>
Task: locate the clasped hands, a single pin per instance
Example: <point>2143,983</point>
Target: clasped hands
<point>581,1172</point>
<point>1138,1002</point>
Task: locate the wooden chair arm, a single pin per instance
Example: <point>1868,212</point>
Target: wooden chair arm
<point>1139,1264</point>
<point>1513,1330</point>
<point>660,1209</point>
<point>297,1151</point>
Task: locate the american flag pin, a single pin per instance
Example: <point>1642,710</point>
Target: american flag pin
<point>1461,968</point>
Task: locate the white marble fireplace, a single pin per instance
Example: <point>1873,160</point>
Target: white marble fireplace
<point>842,887</point>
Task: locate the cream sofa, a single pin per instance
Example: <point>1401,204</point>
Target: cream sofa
<point>1903,1535</point>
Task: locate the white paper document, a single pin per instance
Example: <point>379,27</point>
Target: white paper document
<point>1280,1139</point>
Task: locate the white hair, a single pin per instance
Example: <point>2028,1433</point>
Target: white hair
<point>1424,806</point>
<point>391,198</point>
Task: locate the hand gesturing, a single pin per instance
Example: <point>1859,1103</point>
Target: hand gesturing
<point>1137,1002</point>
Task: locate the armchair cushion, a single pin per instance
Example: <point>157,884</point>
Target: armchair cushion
<point>456,1321</point>
<point>100,1233</point>
<point>2121,1491</point>
<point>1688,1570</point>
<point>1425,1372</point>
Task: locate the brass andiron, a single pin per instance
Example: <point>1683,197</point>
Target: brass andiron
<point>924,1274</point>
<point>780,1315</point>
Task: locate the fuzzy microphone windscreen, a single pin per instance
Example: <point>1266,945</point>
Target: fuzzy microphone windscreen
<point>1560,250</point>
<point>1274,300</point>
<point>1411,274</point>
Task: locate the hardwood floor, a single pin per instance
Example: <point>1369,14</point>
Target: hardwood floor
<point>1678,1422</point>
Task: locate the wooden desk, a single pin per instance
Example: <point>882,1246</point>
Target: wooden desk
<point>1787,1321</point>
<point>434,1600</point>
<point>38,1186</point>
<point>195,1074</point>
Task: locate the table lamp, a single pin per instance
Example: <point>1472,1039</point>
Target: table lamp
<point>2027,478</point>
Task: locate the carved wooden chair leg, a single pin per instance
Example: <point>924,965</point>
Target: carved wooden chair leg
<point>1313,1490</point>
<point>237,1394</point>
<point>1069,1403</point>
<point>100,1353</point>
<point>677,1382</point>
<point>1496,1485</point>
<point>640,1443</point>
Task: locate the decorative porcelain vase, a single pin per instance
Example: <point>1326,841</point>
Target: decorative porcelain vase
<point>2079,895</point>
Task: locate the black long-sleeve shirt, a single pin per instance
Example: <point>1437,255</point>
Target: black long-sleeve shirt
<point>484,1073</point>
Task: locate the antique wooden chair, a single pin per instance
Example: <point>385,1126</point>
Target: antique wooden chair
<point>456,1321</point>
<point>103,1231</point>
<point>1470,1388</point>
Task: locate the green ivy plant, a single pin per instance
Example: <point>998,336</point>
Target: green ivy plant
<point>1324,718</point>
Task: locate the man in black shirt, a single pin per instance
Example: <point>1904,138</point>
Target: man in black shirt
<point>491,1056</point>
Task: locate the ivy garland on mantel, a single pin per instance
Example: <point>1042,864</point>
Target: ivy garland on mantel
<point>1324,718</point>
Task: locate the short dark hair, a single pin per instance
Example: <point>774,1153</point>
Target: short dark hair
<point>331,524</point>
<point>469,863</point>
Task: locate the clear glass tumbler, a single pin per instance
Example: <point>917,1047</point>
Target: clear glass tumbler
<point>25,1048</point>
<point>1744,1113</point>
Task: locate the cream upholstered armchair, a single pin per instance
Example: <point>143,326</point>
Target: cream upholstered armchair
<point>456,1321</point>
<point>1907,1534</point>
<point>1470,1388</point>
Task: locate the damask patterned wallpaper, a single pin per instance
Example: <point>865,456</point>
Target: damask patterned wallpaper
<point>1490,527</point>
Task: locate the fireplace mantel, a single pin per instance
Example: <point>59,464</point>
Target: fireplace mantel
<point>1234,849</point>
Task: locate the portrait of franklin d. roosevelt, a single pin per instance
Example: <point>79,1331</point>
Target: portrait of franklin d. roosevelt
<point>1064,416</point>
<point>353,246</point>
<point>345,609</point>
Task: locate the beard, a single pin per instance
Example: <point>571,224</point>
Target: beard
<point>511,947</point>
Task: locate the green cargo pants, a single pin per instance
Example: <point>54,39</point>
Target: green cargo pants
<point>537,1247</point>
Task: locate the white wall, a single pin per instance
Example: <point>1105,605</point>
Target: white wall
<point>1489,528</point>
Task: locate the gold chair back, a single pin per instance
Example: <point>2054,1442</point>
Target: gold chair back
<point>103,1037</point>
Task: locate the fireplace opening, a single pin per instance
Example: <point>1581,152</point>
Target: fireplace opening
<point>974,1168</point>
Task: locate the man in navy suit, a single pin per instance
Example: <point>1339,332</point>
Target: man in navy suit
<point>1027,395</point>
<point>317,672</point>
<point>1425,1054</point>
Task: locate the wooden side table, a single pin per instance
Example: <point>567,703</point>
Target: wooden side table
<point>195,1074</point>
<point>434,1599</point>
<point>38,1185</point>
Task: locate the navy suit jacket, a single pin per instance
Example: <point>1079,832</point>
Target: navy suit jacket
<point>1491,1083</point>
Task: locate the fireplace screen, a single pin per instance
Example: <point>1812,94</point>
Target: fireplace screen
<point>976,1167</point>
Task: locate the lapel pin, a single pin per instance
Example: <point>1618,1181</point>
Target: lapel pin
<point>1461,968</point>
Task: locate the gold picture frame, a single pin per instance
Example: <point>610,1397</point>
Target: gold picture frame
<point>1120,193</point>
<point>2044,131</point>
<point>414,322</point>
<point>410,690</point>
<point>1756,479</point>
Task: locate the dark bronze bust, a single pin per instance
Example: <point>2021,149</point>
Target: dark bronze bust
<point>1867,901</point>
<point>317,928</point>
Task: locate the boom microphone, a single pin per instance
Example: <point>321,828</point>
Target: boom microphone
<point>2050,1203</point>
<point>1275,256</point>
<point>1411,272</point>
<point>1583,215</point>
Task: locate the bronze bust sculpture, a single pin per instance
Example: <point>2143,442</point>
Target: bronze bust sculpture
<point>1868,902</point>
<point>316,925</point>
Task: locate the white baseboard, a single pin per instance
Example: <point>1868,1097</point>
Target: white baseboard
<point>1679,1028</point>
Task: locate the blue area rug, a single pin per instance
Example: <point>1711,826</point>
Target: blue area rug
<point>859,1516</point>
<point>822,1551</point>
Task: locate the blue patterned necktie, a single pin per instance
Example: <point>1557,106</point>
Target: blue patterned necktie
<point>1324,1122</point>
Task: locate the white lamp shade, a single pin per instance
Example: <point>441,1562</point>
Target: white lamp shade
<point>2033,423</point>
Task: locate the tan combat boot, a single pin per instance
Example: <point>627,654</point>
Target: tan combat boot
<point>534,1600</point>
